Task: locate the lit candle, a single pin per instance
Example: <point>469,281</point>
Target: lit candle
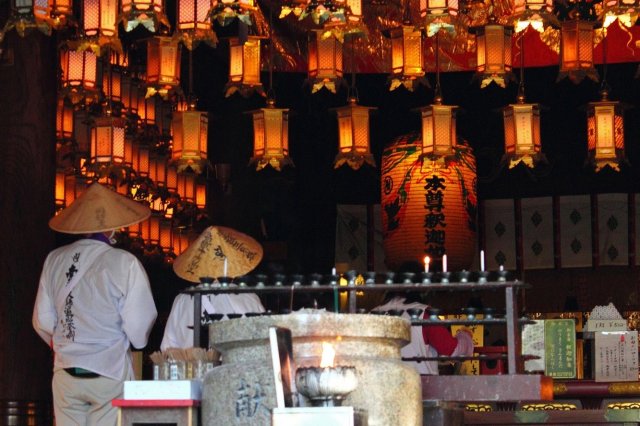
<point>224,268</point>
<point>502,267</point>
<point>427,260</point>
<point>482,260</point>
<point>444,263</point>
<point>333,271</point>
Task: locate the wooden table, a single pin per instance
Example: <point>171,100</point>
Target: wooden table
<point>181,412</point>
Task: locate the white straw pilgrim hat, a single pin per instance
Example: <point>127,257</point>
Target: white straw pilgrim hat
<point>99,209</point>
<point>205,257</point>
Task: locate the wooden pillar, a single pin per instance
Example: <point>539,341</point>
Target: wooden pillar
<point>27,160</point>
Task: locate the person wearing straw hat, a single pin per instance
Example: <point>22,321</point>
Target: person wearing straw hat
<point>217,252</point>
<point>94,301</point>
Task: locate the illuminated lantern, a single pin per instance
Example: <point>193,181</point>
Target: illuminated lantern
<point>74,186</point>
<point>193,23</point>
<point>201,195</point>
<point>325,60</point>
<point>271,137</point>
<point>427,211</point>
<point>187,187</point>
<point>64,121</point>
<point>625,11</point>
<point>107,142</point>
<point>439,14</point>
<point>59,189</point>
<point>150,230</point>
<point>605,133</point>
<point>141,160</point>
<point>147,108</point>
<point>533,13</point>
<point>82,123</point>
<point>166,236</point>
<point>522,134</point>
<point>407,67</point>
<point>439,134</point>
<point>172,179</point>
<point>158,170</point>
<point>353,132</point>
<point>99,23</point>
<point>493,48</point>
<point>576,51</point>
<point>147,13</point>
<point>190,138</point>
<point>112,83</point>
<point>163,65</point>
<point>129,93</point>
<point>180,240</point>
<point>244,66</point>
<point>79,75</point>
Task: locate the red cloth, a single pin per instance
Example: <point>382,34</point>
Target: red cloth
<point>439,337</point>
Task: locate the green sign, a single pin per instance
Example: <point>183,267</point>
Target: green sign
<point>560,348</point>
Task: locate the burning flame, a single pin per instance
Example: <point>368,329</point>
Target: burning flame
<point>328,354</point>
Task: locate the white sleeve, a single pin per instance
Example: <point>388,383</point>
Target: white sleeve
<point>177,333</point>
<point>138,310</point>
<point>44,316</point>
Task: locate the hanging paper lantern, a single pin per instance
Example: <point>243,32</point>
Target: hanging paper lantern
<point>107,144</point>
<point>407,59</point>
<point>201,195</point>
<point>64,120</point>
<point>576,51</point>
<point>353,133</point>
<point>428,211</point>
<point>172,179</point>
<point>605,132</point>
<point>158,170</point>
<point>163,65</point>
<point>325,61</point>
<point>193,23</point>
<point>439,132</point>
<point>190,138</point>
<point>522,134</point>
<point>187,187</point>
<point>493,48</point>
<point>244,67</point>
<point>271,137</point>
<point>79,75</point>
<point>99,25</point>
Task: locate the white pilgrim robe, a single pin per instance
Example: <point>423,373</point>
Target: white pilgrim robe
<point>110,308</point>
<point>178,333</point>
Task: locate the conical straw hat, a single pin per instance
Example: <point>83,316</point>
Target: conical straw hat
<point>99,209</point>
<point>205,256</point>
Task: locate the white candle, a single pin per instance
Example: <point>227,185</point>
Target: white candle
<point>482,260</point>
<point>502,267</point>
<point>444,263</point>
<point>224,268</point>
<point>427,260</point>
<point>333,271</point>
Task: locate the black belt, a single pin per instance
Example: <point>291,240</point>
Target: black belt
<point>81,372</point>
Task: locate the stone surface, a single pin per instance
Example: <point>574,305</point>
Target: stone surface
<point>241,390</point>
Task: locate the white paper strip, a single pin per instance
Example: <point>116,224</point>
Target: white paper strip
<point>537,232</point>
<point>575,231</point>
<point>613,227</point>
<point>500,235</point>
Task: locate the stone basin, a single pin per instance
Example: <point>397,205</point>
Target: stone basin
<point>241,390</point>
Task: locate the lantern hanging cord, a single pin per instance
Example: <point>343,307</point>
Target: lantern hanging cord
<point>437,96</point>
<point>604,87</point>
<point>521,83</point>
<point>353,91</point>
<point>271,93</point>
<point>190,73</point>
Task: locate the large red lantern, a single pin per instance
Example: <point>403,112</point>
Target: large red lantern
<point>428,211</point>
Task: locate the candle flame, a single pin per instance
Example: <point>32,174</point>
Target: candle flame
<point>328,354</point>
<point>427,259</point>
